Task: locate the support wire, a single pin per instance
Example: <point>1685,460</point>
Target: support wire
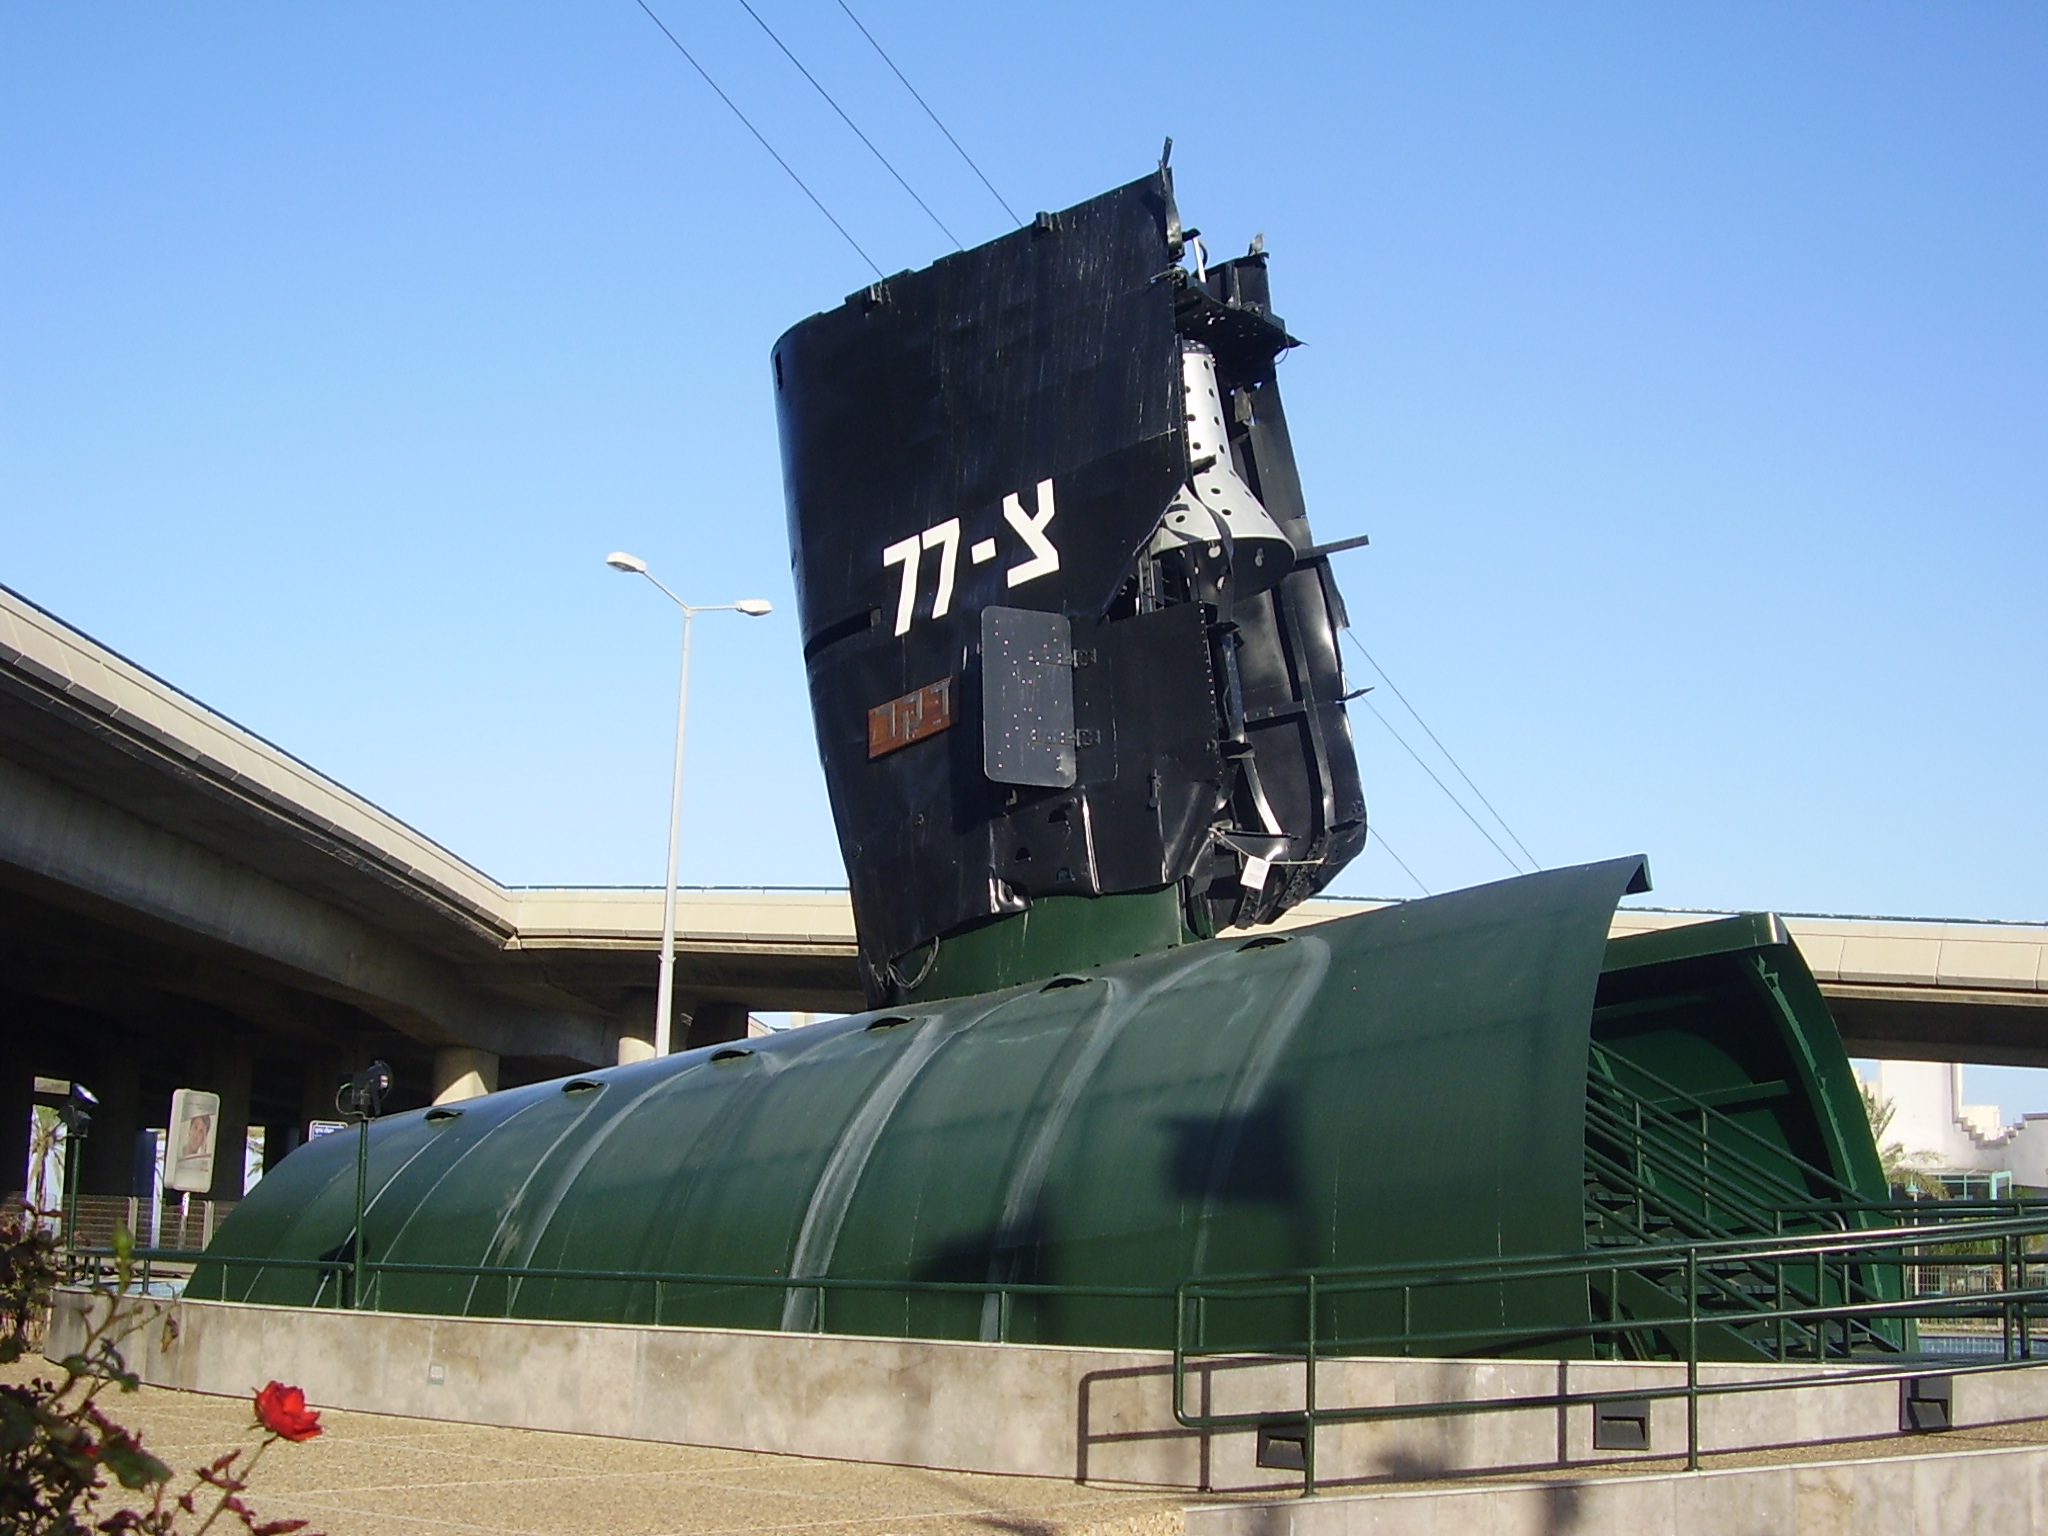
<point>1463,810</point>
<point>760,137</point>
<point>1534,862</point>
<point>928,112</point>
<point>1380,838</point>
<point>834,105</point>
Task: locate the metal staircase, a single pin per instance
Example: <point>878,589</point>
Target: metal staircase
<point>1665,1168</point>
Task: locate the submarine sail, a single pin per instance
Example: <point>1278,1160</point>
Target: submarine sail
<point>1072,646</point>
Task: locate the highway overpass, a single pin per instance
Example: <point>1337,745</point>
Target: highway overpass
<point>184,904</point>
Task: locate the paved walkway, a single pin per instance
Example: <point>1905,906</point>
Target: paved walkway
<point>374,1476</point>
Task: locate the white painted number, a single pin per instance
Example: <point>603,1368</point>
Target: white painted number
<point>1042,558</point>
<point>904,553</point>
<point>946,540</point>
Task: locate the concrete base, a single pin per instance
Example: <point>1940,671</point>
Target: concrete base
<point>1084,1414</point>
<point>1983,1493</point>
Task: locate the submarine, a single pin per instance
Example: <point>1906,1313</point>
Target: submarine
<point>1073,659</point>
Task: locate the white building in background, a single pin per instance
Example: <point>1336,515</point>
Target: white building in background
<point>1963,1144</point>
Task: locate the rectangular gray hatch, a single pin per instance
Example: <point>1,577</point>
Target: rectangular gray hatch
<point>1027,697</point>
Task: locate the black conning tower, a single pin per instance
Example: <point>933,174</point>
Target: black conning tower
<point>1067,631</point>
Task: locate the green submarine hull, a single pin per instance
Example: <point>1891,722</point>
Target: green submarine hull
<point>1441,1082</point>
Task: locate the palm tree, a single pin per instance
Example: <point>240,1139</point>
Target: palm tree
<point>1903,1170</point>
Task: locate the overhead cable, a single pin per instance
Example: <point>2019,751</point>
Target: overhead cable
<point>759,136</point>
<point>1463,809</point>
<point>928,112</point>
<point>1534,862</point>
<point>799,63</point>
<point>1380,838</point>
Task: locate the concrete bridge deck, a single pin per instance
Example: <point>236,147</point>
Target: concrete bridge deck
<point>1908,988</point>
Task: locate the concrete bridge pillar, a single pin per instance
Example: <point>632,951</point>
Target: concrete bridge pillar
<point>463,1072</point>
<point>636,1028</point>
<point>109,1162</point>
<point>714,1024</point>
<point>320,1076</point>
<point>227,1072</point>
<point>16,1102</point>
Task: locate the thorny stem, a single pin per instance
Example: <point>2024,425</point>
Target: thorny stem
<point>242,1477</point>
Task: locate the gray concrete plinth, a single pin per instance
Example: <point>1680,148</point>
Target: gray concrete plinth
<point>1988,1492</point>
<point>1093,1415</point>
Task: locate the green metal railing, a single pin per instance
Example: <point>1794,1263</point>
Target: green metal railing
<point>365,1297</point>
<point>1664,1166</point>
<point>1696,1149</point>
<point>2013,1246</point>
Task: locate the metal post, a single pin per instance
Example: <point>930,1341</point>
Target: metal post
<point>2005,1286</point>
<point>1778,1306</point>
<point>74,1118</point>
<point>1180,1351</point>
<point>362,1189</point>
<point>665,992</point>
<point>1642,1213</point>
<point>2025,1305</point>
<point>73,1166</point>
<point>1819,1299</point>
<point>1692,1360</point>
<point>1706,1175</point>
<point>1308,1418</point>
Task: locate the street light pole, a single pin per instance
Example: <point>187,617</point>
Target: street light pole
<point>665,988</point>
<point>753,608</point>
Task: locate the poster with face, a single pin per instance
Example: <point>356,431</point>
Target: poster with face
<point>195,1126</point>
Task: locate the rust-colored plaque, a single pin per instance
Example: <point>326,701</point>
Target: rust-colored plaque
<point>920,713</point>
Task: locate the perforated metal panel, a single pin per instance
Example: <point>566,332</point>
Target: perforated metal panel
<point>1027,711</point>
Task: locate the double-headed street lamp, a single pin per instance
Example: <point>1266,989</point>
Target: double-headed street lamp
<point>754,608</point>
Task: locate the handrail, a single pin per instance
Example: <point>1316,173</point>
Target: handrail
<point>2018,1304</point>
<point>1801,1243</point>
<point>1677,1147</point>
<point>1637,1186</point>
<point>1764,1217</point>
<point>1605,1057</point>
<point>1003,1290</point>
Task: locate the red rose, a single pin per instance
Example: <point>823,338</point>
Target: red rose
<point>282,1410</point>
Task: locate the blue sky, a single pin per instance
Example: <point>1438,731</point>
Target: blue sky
<point>1687,367</point>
